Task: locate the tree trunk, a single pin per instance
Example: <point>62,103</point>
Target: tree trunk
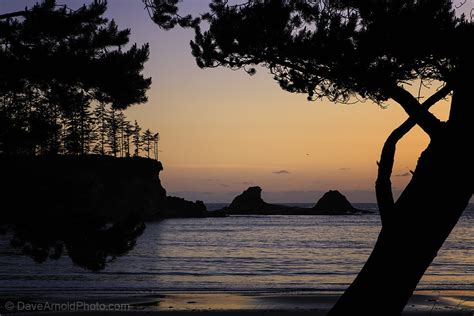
<point>420,221</point>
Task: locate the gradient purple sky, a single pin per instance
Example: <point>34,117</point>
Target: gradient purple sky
<point>222,131</point>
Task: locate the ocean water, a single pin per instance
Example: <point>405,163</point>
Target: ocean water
<point>241,254</point>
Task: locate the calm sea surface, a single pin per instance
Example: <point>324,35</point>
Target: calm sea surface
<point>251,253</point>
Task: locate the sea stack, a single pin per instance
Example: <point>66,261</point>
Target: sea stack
<point>334,202</point>
<point>250,201</point>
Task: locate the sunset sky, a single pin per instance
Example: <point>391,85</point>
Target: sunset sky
<point>222,131</point>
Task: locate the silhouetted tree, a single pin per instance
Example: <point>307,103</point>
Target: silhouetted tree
<point>18,119</point>
<point>127,134</point>
<point>72,135</point>
<point>77,124</point>
<point>121,122</point>
<point>349,50</point>
<point>147,142</point>
<point>50,54</point>
<point>49,109</point>
<point>101,117</point>
<point>137,139</point>
<point>86,130</point>
<point>113,134</point>
<point>156,139</point>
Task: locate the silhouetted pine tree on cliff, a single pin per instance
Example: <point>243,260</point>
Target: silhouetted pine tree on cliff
<point>147,142</point>
<point>137,139</point>
<point>350,50</point>
<point>156,139</point>
<point>64,78</point>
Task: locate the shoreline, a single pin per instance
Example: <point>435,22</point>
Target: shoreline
<point>423,302</point>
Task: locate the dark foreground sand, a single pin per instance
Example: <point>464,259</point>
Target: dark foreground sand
<point>268,304</point>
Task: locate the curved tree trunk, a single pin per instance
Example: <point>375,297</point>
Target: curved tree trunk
<point>419,222</point>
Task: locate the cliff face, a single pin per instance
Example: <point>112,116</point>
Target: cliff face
<point>90,207</point>
<point>112,189</point>
<point>108,187</point>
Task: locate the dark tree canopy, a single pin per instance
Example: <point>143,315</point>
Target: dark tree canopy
<point>330,48</point>
<point>56,65</point>
<point>50,47</point>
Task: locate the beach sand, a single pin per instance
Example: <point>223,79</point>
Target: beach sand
<point>268,304</point>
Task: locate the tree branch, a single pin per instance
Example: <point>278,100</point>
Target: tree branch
<point>26,12</point>
<point>426,120</point>
<point>383,185</point>
<point>13,15</point>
